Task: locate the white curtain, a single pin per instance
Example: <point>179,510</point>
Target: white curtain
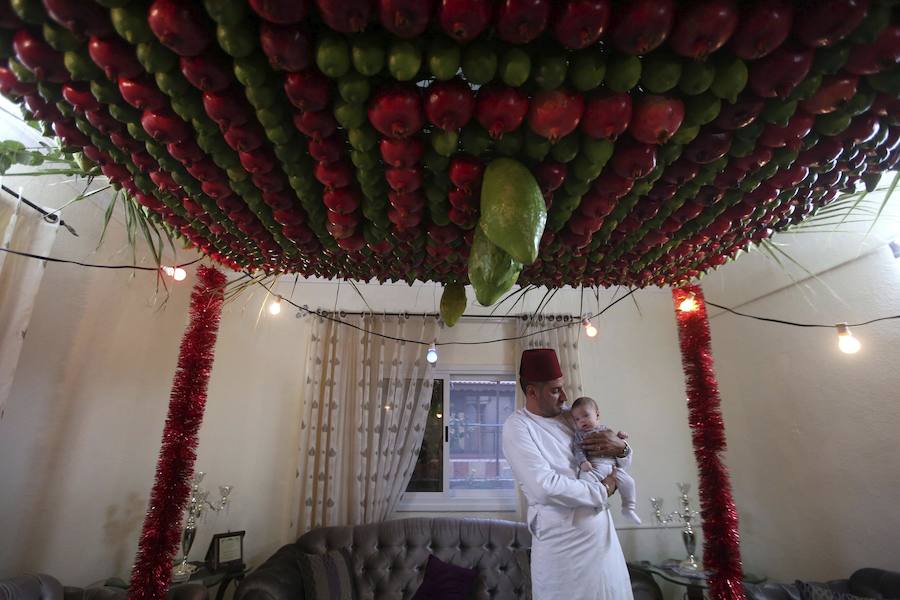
<point>545,331</point>
<point>366,401</point>
<point>23,229</point>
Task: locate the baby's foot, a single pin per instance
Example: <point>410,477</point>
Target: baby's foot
<point>630,515</point>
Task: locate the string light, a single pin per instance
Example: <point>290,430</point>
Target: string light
<point>589,329</point>
<point>275,306</point>
<point>689,304</point>
<point>431,354</point>
<point>846,342</point>
<point>176,273</point>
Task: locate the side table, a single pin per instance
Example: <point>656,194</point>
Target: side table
<point>694,585</point>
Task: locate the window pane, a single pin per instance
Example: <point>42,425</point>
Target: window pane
<point>428,474</point>
<point>478,409</point>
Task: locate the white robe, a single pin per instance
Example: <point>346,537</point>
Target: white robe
<point>575,552</point>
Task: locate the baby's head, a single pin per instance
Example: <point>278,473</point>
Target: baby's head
<point>585,413</point>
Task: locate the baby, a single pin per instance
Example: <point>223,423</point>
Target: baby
<point>586,415</point>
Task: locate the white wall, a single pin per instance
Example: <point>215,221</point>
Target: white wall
<point>812,432</point>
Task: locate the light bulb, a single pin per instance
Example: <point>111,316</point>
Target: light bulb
<point>275,306</point>
<point>846,342</point>
<point>689,304</point>
<point>589,328</point>
<point>179,274</point>
<point>431,354</point>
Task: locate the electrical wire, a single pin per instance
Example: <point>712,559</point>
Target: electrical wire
<point>324,315</point>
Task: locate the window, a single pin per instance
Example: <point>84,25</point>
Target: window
<point>461,466</point>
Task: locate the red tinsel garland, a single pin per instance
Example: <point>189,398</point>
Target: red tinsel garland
<point>721,549</point>
<point>162,525</point>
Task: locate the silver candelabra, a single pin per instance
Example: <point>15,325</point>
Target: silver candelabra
<point>686,516</point>
<point>197,505</point>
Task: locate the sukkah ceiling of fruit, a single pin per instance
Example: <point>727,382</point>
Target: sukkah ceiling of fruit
<point>581,142</point>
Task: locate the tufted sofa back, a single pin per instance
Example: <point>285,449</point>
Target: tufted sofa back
<point>389,558</point>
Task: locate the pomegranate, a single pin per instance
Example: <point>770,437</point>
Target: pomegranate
<point>346,16</point>
<point>581,23</point>
<point>38,57</point>
<point>550,175</point>
<point>596,205</point>
<point>834,92</point>
<point>273,181</point>
<point>402,153</point>
<point>244,137</point>
<point>521,21</point>
<point>405,18</point>
<point>343,200</point>
<point>763,26</point>
<point>797,127</point>
<point>404,220</point>
<point>633,160</point>
<point>825,151</point>
<point>708,147</point>
<point>465,172</point>
<point>703,27</point>
<point>283,12</point>
<point>101,121</point>
<point>115,57</point>
<point>464,20</point>
<point>326,149</point>
<point>180,26</point>
<point>500,109</point>
<point>185,151</point>
<point>396,111</point>
<point>308,90</point>
<point>43,110</point>
<point>11,86</point>
<point>164,126</point>
<point>404,180</point>
<point>740,114</point>
<point>205,170</point>
<point>283,200</point>
<point>789,177</point>
<point>882,54</point>
<point>641,26</point>
<point>81,18</point>
<point>142,93</point>
<point>462,200</point>
<point>655,118</point>
<point>606,115</point>
<point>226,108</point>
<point>781,71</point>
<point>79,96</point>
<point>257,161</point>
<point>610,183</point>
<point>315,124</point>
<point>583,225</point>
<point>407,201</point>
<point>449,104</point>
<point>334,175</point>
<point>555,113</point>
<point>829,21</point>
<point>862,129</point>
<point>125,142</point>
<point>443,234</point>
<point>288,47</point>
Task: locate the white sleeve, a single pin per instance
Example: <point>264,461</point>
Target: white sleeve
<point>540,482</point>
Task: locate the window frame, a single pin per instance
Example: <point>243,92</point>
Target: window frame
<point>495,501</point>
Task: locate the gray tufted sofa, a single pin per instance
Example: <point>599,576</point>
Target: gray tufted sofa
<point>863,583</point>
<point>389,559</point>
<point>45,587</point>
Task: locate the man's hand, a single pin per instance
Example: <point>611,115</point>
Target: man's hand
<point>622,435</point>
<point>603,444</point>
<point>586,466</point>
<point>610,482</point>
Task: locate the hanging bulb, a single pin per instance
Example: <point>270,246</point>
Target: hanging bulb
<point>589,329</point>
<point>689,304</point>
<point>846,342</point>
<point>275,306</point>
<point>179,274</point>
<point>431,354</point>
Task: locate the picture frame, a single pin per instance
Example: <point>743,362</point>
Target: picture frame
<point>226,551</point>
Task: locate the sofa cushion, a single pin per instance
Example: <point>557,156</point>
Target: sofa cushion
<point>817,591</point>
<point>444,581</point>
<point>327,576</point>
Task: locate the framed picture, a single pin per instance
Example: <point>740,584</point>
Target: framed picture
<point>226,551</point>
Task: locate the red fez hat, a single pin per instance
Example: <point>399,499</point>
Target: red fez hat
<point>540,364</point>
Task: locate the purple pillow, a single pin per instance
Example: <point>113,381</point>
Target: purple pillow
<point>444,581</point>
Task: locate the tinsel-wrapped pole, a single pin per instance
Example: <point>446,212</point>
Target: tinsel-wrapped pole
<point>162,524</point>
<point>721,548</point>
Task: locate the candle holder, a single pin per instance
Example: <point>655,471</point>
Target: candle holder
<point>687,517</point>
<point>197,505</point>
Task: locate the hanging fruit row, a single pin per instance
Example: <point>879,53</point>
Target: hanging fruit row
<point>640,143</point>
